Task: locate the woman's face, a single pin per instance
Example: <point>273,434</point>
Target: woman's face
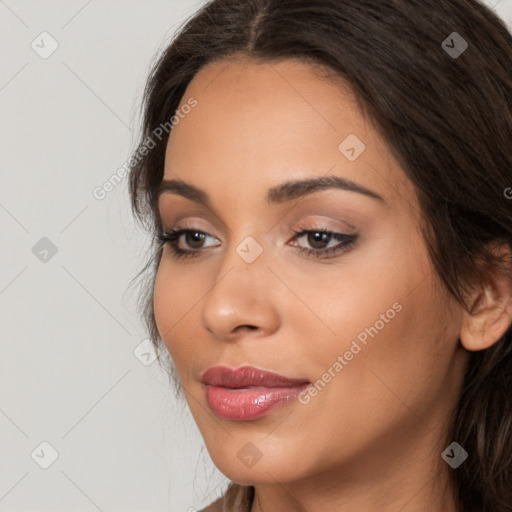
<point>362,317</point>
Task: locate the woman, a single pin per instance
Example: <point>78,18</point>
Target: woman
<point>328,186</point>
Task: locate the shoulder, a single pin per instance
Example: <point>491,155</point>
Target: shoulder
<point>216,506</point>
<point>237,498</point>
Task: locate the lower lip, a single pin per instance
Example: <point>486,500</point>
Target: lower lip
<point>248,403</point>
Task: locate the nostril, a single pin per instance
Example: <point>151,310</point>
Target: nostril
<point>250,327</point>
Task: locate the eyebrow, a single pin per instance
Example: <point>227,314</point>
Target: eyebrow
<point>280,194</point>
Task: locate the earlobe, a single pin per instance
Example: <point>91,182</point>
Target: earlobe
<point>490,312</point>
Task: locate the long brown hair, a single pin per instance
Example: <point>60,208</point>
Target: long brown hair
<point>446,118</point>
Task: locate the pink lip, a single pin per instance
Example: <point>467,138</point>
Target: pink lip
<point>247,393</point>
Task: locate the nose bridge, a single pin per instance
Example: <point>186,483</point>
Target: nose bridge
<point>245,251</point>
<point>239,297</point>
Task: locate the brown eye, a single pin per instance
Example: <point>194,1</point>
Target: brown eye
<point>194,239</point>
<point>317,239</point>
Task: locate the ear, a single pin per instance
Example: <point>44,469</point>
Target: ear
<point>490,306</point>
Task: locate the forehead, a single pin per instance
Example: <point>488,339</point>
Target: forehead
<point>244,98</point>
<point>259,124</point>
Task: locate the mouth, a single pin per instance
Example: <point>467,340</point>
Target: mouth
<point>247,393</point>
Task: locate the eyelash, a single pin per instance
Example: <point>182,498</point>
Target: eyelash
<point>346,242</point>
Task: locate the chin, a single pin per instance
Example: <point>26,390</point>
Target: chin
<point>260,462</point>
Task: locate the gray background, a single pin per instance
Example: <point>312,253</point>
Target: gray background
<point>69,374</point>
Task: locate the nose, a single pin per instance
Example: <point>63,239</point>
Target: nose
<point>240,302</point>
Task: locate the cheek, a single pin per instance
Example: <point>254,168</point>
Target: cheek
<point>173,302</point>
<point>387,319</point>
<point>164,302</point>
<point>370,295</point>
<point>389,368</point>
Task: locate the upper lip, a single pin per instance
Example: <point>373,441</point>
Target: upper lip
<point>247,376</point>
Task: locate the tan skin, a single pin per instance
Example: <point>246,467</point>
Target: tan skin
<point>372,438</point>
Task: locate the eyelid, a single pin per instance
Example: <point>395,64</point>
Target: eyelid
<point>192,224</point>
<point>190,217</point>
<point>324,210</point>
<point>318,222</point>
<point>325,223</point>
